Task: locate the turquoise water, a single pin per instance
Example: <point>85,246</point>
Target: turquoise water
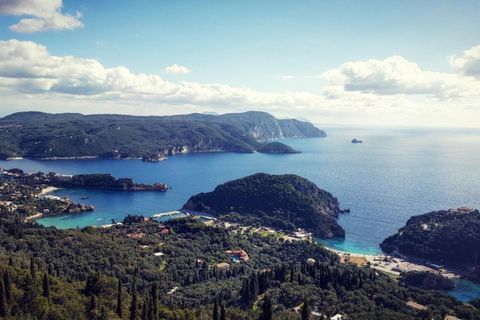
<point>392,175</point>
<point>465,290</point>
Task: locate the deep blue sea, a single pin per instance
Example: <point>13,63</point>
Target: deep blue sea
<point>393,175</point>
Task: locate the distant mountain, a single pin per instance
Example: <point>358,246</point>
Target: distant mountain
<point>44,135</point>
<point>448,236</point>
<point>290,199</point>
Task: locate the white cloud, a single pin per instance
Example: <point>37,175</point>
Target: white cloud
<point>394,75</point>
<point>392,91</point>
<point>28,67</point>
<point>46,15</point>
<point>469,64</point>
<point>287,77</point>
<point>176,69</point>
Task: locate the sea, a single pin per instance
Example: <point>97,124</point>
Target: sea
<point>395,173</point>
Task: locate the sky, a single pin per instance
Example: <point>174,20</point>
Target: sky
<point>385,62</point>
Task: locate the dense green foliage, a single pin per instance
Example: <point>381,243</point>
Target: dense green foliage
<point>427,280</point>
<point>287,198</point>
<point>43,135</point>
<point>276,147</point>
<point>136,271</point>
<point>74,274</point>
<point>451,237</point>
<point>106,182</point>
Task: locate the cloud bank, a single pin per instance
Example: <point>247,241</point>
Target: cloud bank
<point>28,67</point>
<point>393,90</point>
<point>46,15</point>
<point>394,75</point>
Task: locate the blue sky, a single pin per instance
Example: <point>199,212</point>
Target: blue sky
<point>337,62</point>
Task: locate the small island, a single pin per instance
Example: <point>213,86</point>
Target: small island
<point>284,201</point>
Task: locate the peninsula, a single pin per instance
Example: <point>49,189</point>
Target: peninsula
<point>450,237</point>
<point>38,135</point>
<point>285,201</point>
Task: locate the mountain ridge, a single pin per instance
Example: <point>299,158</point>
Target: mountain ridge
<point>72,135</point>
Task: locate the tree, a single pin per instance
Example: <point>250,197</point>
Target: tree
<point>134,304</point>
<point>32,267</point>
<point>46,286</point>
<point>119,299</point>
<point>3,299</point>
<point>305,310</point>
<point>154,301</point>
<point>223,312</point>
<point>7,282</point>
<point>267,312</point>
<point>215,310</point>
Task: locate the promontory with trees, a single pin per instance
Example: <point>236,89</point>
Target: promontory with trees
<point>40,135</point>
<point>284,201</point>
<point>449,237</point>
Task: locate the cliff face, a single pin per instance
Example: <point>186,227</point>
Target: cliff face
<point>288,198</point>
<point>43,135</point>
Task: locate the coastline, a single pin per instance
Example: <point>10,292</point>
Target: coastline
<point>393,265</point>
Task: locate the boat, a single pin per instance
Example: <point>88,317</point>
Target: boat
<point>356,141</point>
<point>83,198</point>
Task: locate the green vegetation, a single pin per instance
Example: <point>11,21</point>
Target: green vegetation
<point>447,236</point>
<point>43,135</point>
<point>284,201</point>
<point>105,182</point>
<point>137,271</point>
<point>427,280</point>
<point>276,147</point>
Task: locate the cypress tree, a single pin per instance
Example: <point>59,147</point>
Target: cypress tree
<point>119,299</point>
<point>144,310</point>
<point>32,267</point>
<point>215,310</point>
<point>155,300</point>
<point>3,299</point>
<point>305,310</point>
<point>134,304</point>
<point>46,286</point>
<point>223,312</point>
<point>92,306</point>
<point>8,286</point>
<point>267,312</point>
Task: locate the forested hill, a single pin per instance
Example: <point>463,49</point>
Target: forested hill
<point>451,236</point>
<point>287,201</point>
<point>44,135</point>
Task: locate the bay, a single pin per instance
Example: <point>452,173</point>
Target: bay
<point>394,174</point>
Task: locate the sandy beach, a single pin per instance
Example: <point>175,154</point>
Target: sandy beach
<point>47,190</point>
<point>389,264</point>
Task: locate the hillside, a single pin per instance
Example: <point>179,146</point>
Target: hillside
<point>287,200</point>
<point>448,236</point>
<point>43,135</point>
<point>183,269</point>
<point>276,148</point>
